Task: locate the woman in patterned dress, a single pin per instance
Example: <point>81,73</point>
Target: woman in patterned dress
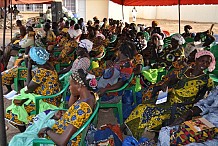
<point>184,84</point>
<point>173,52</point>
<point>44,82</point>
<point>82,103</point>
<point>119,71</point>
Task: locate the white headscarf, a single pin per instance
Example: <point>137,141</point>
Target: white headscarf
<point>179,38</point>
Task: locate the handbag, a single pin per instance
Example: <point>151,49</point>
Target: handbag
<point>196,130</point>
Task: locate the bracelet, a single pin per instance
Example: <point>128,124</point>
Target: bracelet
<point>46,130</point>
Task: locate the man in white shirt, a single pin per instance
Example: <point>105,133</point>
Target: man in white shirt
<point>134,12</point>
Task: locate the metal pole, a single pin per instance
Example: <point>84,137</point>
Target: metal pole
<point>179,15</point>
<point>11,19</point>
<point>122,13</point>
<point>3,140</point>
<point>123,10</point>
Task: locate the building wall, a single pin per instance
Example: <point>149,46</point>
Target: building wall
<point>197,13</point>
<point>115,12</point>
<point>97,8</point>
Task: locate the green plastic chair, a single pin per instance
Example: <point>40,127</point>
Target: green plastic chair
<point>21,51</point>
<point>167,41</point>
<point>83,130</point>
<point>65,84</point>
<point>214,78</point>
<point>19,78</point>
<point>161,74</point>
<point>146,35</point>
<point>118,105</point>
<point>214,51</point>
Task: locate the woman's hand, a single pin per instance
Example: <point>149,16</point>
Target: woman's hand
<point>179,120</point>
<point>101,91</point>
<point>41,133</point>
<point>163,87</point>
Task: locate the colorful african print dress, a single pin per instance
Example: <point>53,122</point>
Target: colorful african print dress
<point>48,85</point>
<point>76,115</point>
<point>169,55</point>
<point>9,75</point>
<point>151,116</point>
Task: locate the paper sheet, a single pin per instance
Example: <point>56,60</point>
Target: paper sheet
<point>11,95</point>
<point>162,97</point>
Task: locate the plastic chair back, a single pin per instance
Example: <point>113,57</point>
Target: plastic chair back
<point>167,41</point>
<point>161,74</point>
<point>83,130</point>
<point>19,77</point>
<point>118,105</point>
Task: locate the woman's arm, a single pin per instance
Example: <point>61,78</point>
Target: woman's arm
<point>29,72</point>
<point>72,100</point>
<point>113,87</point>
<point>195,111</point>
<point>31,87</point>
<point>59,139</point>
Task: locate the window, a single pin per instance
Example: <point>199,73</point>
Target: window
<point>31,7</point>
<point>70,5</point>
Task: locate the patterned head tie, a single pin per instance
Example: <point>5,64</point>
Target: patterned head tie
<point>207,53</point>
<point>39,55</point>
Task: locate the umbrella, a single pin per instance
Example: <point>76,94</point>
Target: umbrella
<point>163,3</point>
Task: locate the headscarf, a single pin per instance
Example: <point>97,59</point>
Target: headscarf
<point>86,44</point>
<point>155,23</point>
<point>179,38</point>
<point>161,43</point>
<point>39,55</point>
<point>207,53</point>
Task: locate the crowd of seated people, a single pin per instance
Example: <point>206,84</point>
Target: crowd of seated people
<point>102,56</point>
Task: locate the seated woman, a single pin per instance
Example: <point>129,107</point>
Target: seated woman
<point>187,33</point>
<point>206,108</point>
<point>205,38</point>
<point>174,52</point>
<point>25,43</point>
<point>50,37</point>
<point>82,103</point>
<point>118,71</point>
<point>186,85</point>
<point>42,120</point>
<point>154,46</point>
<point>9,75</point>
<point>44,82</point>
<point>83,60</point>
<point>155,29</point>
<point>76,33</point>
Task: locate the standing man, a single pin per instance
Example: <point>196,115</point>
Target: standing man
<point>134,12</point>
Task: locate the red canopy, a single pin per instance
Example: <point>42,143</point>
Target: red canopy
<point>162,2</point>
<point>2,3</point>
<point>31,1</point>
